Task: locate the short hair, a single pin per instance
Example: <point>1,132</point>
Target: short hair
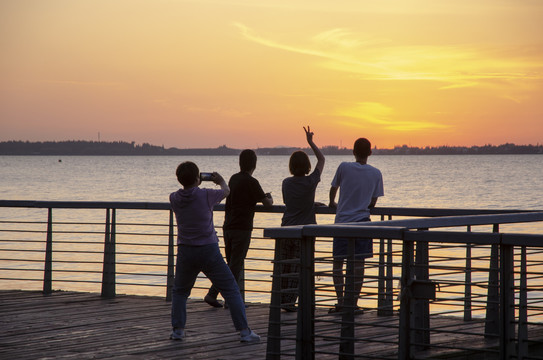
<point>362,148</point>
<point>247,160</point>
<point>299,164</point>
<point>187,173</point>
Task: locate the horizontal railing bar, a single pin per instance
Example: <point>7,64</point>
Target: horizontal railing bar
<point>394,211</point>
<point>393,229</point>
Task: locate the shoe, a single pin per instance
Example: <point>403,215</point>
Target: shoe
<point>338,309</point>
<point>289,308</point>
<point>212,302</point>
<point>250,337</point>
<point>177,334</point>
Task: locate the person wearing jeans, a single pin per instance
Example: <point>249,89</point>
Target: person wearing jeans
<point>198,250</point>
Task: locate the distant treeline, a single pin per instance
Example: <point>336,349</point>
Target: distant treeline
<point>131,148</point>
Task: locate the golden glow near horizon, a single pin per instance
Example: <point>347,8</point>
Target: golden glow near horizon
<point>251,74</point>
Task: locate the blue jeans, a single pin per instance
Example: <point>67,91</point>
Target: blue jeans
<point>191,260</point>
<point>236,246</point>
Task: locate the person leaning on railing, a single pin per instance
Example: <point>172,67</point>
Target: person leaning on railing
<point>198,250</point>
<point>239,212</point>
<point>360,184</point>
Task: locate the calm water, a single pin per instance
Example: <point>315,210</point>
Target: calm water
<point>481,182</point>
<point>476,181</point>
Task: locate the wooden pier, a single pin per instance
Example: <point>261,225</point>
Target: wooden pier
<point>71,325</point>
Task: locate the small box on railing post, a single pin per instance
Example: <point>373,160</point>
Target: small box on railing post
<point>422,289</point>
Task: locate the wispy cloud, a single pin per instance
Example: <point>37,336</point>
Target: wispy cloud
<point>457,66</point>
<point>85,83</point>
<point>380,115</point>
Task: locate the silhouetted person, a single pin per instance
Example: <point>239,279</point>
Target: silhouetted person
<point>299,198</point>
<point>360,185</point>
<point>245,193</point>
<point>198,250</point>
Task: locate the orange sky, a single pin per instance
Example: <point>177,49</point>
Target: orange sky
<point>248,73</point>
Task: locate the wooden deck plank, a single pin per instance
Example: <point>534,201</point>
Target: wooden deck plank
<point>78,325</point>
<point>71,325</point>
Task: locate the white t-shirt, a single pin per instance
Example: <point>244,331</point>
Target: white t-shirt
<point>358,184</point>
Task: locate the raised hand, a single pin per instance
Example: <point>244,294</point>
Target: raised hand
<point>309,134</point>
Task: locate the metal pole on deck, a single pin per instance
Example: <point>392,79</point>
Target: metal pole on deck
<point>346,346</point>
<point>467,282</point>
<point>523,307</point>
<point>493,297</point>
<point>273,346</point>
<point>421,318</point>
<point>171,260</point>
<point>48,265</point>
<point>108,270</point>
<point>305,329</point>
<point>404,344</point>
<point>507,311</point>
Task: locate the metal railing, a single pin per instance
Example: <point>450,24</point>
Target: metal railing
<point>462,294</point>
<point>107,246</point>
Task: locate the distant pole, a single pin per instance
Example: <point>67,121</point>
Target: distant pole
<point>98,136</point>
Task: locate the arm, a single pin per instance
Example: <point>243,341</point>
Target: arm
<point>268,200</point>
<point>218,179</point>
<point>333,192</point>
<point>316,150</point>
<point>372,203</point>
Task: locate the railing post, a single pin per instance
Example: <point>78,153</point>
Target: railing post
<point>523,307</point>
<point>384,282</point>
<point>493,296</point>
<point>171,260</point>
<point>467,282</point>
<point>48,265</point>
<point>346,346</point>
<point>507,295</point>
<point>108,272</point>
<point>305,329</point>
<point>404,344</point>
<point>273,346</point>
<point>421,316</point>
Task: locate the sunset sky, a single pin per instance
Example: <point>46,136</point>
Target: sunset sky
<point>251,73</point>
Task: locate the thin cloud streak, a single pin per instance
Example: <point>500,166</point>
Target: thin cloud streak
<point>458,66</point>
<point>382,116</point>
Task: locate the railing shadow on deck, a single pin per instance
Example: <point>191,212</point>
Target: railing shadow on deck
<point>425,285</point>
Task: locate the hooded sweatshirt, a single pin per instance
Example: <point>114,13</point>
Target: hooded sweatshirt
<point>193,210</point>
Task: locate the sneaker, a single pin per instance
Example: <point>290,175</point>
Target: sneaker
<point>289,308</point>
<point>212,302</point>
<point>250,337</point>
<point>177,334</point>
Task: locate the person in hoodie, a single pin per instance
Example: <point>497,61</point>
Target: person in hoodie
<point>198,250</point>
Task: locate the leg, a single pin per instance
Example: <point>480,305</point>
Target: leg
<point>220,275</point>
<point>339,282</point>
<point>363,249</point>
<point>185,277</point>
<point>290,250</point>
<point>358,278</point>
<point>339,251</point>
<point>237,248</point>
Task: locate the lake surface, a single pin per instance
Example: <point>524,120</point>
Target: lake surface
<point>425,181</point>
<point>471,181</point>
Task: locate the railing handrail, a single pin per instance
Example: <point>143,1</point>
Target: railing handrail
<point>133,205</point>
<point>394,228</point>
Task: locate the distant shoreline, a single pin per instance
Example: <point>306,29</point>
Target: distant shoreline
<point>119,148</point>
